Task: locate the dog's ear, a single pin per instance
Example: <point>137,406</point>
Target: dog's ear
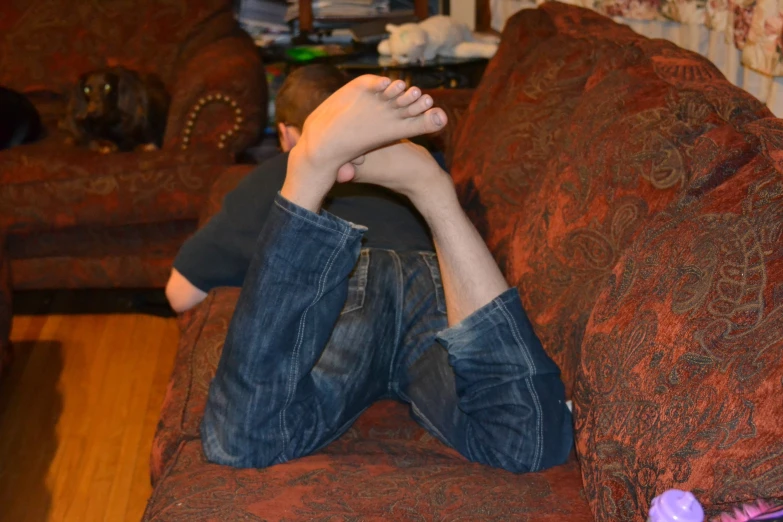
<point>131,96</point>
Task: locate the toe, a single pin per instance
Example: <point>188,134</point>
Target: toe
<point>410,96</point>
<point>418,106</point>
<point>431,121</point>
<point>395,89</point>
<point>373,83</point>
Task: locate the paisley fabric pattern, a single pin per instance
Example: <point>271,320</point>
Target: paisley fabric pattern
<point>386,467</point>
<point>608,144</point>
<point>43,186</point>
<point>682,364</point>
<point>216,79</point>
<point>375,472</point>
<point>99,256</point>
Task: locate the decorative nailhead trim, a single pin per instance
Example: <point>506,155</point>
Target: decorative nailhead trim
<point>200,104</point>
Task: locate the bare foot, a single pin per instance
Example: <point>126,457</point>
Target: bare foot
<point>403,167</point>
<point>368,112</point>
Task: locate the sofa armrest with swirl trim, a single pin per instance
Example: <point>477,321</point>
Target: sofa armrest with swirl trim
<point>218,99</point>
<point>225,183</point>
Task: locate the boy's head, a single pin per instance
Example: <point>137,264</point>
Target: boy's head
<point>302,91</point>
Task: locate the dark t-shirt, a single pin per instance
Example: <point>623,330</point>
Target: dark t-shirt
<point>219,254</point>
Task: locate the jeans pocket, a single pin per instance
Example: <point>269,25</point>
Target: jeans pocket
<point>432,263</point>
<point>357,284</point>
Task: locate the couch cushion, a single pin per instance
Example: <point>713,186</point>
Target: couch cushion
<point>682,366</point>
<point>47,185</point>
<point>202,333</point>
<point>384,468</point>
<point>559,208</point>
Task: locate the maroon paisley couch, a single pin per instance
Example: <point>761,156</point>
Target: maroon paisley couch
<point>636,199</point>
<point>74,218</point>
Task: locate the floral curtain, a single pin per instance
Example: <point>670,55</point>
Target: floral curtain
<point>752,26</point>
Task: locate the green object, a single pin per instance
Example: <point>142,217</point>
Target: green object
<point>305,53</point>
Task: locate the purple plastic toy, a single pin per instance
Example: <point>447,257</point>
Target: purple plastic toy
<point>676,506</point>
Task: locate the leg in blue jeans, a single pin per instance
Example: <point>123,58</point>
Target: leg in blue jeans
<point>495,396</point>
<point>484,386</point>
<point>292,377</point>
<point>318,336</point>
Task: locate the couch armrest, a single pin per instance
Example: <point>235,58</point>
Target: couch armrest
<point>224,184</point>
<point>219,98</point>
<point>455,102</point>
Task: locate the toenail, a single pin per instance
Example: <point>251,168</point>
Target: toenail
<point>436,118</point>
<point>428,101</point>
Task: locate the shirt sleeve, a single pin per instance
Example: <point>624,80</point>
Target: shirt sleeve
<point>219,253</point>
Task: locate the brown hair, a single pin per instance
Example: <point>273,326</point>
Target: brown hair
<point>304,90</point>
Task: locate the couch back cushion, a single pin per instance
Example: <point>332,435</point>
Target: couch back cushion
<point>47,44</point>
<point>611,147</point>
<point>681,378</point>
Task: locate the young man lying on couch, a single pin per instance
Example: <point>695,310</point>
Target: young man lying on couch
<point>344,300</point>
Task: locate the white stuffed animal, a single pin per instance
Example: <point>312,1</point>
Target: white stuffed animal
<point>436,36</point>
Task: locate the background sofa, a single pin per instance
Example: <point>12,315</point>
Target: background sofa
<point>72,218</point>
<point>75,218</point>
<point>635,198</point>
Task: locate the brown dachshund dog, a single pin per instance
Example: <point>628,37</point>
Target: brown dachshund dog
<point>116,109</point>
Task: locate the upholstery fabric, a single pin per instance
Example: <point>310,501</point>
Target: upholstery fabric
<point>124,256</point>
<point>682,367</point>
<point>202,332</point>
<point>43,186</point>
<point>218,88</point>
<point>385,468</point>
<point>614,150</point>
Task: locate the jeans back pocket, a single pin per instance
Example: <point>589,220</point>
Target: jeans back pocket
<point>432,263</point>
<point>357,283</point>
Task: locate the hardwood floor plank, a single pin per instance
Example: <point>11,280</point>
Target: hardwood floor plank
<point>164,364</point>
<point>78,409</point>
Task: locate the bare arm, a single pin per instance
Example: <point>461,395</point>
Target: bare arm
<point>471,277</point>
<point>181,293</point>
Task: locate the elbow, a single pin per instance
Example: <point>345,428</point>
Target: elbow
<point>181,294</point>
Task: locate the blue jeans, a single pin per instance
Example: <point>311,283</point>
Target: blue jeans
<point>322,329</point>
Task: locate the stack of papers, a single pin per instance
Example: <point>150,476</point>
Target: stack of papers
<point>340,9</point>
<point>261,18</point>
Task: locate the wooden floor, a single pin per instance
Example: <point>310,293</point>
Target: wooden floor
<point>78,409</point>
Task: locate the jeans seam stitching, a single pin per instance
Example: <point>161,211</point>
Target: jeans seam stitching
<point>361,274</point>
<point>398,320</point>
<point>293,373</point>
<point>437,280</point>
<point>537,454</point>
